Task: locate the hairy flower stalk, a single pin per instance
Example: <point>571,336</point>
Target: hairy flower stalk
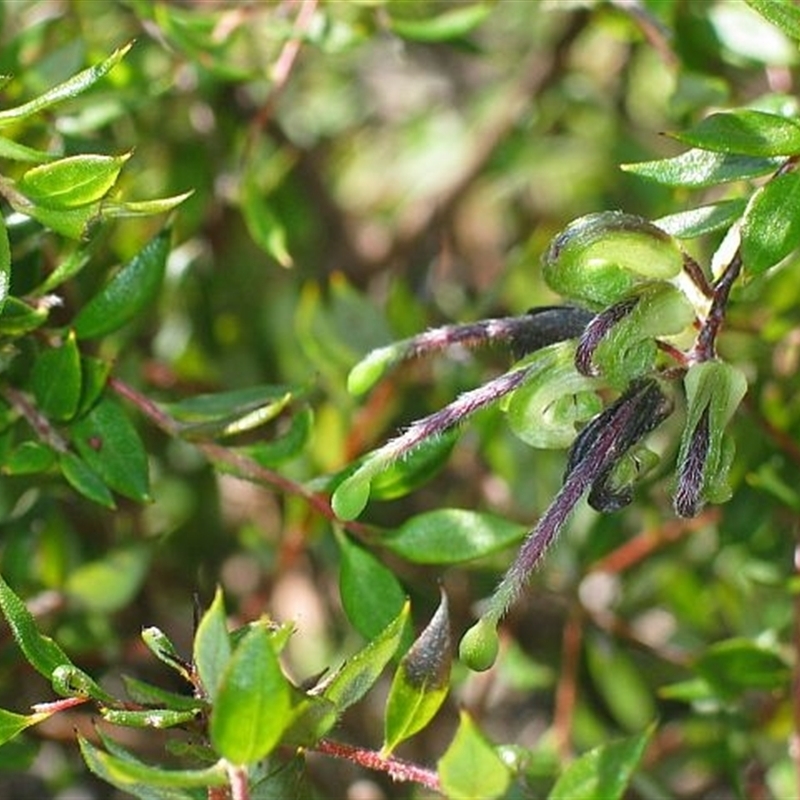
<point>537,328</point>
<point>688,493</point>
<point>599,447</point>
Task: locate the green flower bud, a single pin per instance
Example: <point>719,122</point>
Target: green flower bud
<point>479,645</point>
<point>599,258</point>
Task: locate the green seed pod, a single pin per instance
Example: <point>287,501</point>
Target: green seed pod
<point>599,258</point>
<point>479,645</point>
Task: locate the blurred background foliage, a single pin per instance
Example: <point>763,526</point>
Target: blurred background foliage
<point>403,164</point>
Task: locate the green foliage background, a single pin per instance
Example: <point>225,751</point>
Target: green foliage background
<point>398,174</point>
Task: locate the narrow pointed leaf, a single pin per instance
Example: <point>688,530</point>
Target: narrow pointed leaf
<point>421,682</point>
<point>19,152</point>
<point>108,442</point>
<point>703,219</point>
<point>152,718</point>
<point>359,673</point>
<point>128,293</point>
<point>212,646</point>
<point>698,168</point>
<point>746,132</point>
<point>143,208</point>
<point>252,707</point>
<point>470,767</point>
<point>63,91</point>
<point>603,772</point>
<point>42,653</point>
<point>29,458</point>
<point>129,774</point>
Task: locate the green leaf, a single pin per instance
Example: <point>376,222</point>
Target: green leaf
<point>75,223</point>
<point>230,413</point>
<point>150,718</point>
<point>161,646</point>
<point>414,470</point>
<point>352,495</point>
<point>147,694</point>
<point>63,91</point>
<point>782,13</point>
<point>362,575</point>
<point>72,182</point>
<point>603,772</point>
<point>252,707</point>
<point>95,373</point>
<point>470,768</point>
<point>702,220</point>
<point>128,293</point>
<point>421,682</point>
<point>745,132</point>
<point>29,458</point>
<point>84,480</point>
<point>291,444</point>
<point>263,224</point>
<point>18,318</point>
<point>56,380</point>
<point>41,652</point>
<point>698,168</point>
<point>11,724</point>
<point>452,536</point>
<point>70,681</point>
<point>445,27</point>
<point>131,775</point>
<point>621,685</point>
<point>109,443</point>
<point>113,209</point>
<point>212,645</point>
<point>739,665</point>
<point>111,582</point>
<point>19,152</point>
<point>359,673</point>
<point>770,227</point>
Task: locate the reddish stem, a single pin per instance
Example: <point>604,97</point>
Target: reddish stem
<point>396,768</point>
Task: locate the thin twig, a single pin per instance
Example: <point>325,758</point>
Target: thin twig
<point>397,769</point>
<point>567,688</point>
<point>238,464</point>
<point>41,425</point>
<point>282,68</point>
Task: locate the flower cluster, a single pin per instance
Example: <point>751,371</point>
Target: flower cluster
<point>597,376</point>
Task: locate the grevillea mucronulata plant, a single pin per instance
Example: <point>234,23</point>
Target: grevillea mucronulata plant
<point>639,331</point>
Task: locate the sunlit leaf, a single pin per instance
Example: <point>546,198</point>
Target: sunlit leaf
<point>252,707</point>
<point>452,536</point>
<point>11,724</point>
<point>770,228</point>
<point>212,645</point>
<point>783,13</point>
<point>698,168</point>
<point>71,182</point>
<point>470,767</point>
<point>359,673</point>
<point>451,24</point>
<point>63,91</point>
<point>745,132</point>
<point>110,582</point>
